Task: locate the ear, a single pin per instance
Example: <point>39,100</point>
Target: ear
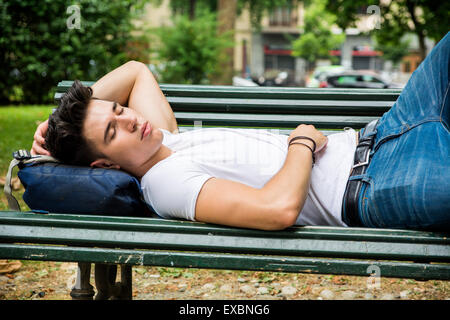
<point>104,163</point>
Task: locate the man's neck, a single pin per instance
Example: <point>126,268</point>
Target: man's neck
<point>162,153</point>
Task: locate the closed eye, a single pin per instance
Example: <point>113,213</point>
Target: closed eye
<point>115,124</point>
<point>112,124</point>
<point>114,133</point>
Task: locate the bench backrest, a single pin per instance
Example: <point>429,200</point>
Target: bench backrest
<point>271,107</point>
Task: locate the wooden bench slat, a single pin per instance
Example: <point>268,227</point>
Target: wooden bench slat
<point>324,107</point>
<point>213,91</point>
<point>280,93</point>
<point>184,128</point>
<point>245,245</point>
<point>225,261</point>
<point>157,224</point>
<point>271,120</point>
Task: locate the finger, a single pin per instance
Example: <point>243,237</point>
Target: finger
<point>321,147</point>
<point>37,149</point>
<point>41,130</point>
<point>33,149</point>
<point>43,124</point>
<point>39,139</point>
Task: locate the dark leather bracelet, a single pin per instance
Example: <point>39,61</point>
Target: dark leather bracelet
<point>312,152</point>
<point>307,138</point>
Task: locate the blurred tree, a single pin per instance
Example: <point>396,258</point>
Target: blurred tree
<point>317,39</point>
<point>43,42</point>
<point>192,7</point>
<point>425,18</point>
<point>189,51</point>
<point>226,22</point>
<point>393,51</point>
<point>257,8</point>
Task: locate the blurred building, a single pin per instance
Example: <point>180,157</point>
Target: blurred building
<point>271,47</point>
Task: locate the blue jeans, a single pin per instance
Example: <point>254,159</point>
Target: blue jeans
<point>407,183</point>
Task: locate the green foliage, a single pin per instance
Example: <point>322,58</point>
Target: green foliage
<point>432,16</point>
<point>183,6</point>
<point>317,39</point>
<point>392,50</point>
<point>189,50</point>
<point>425,18</point>
<point>348,12</point>
<point>38,49</point>
<point>258,8</point>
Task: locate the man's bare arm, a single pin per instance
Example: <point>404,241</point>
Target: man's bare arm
<point>133,85</point>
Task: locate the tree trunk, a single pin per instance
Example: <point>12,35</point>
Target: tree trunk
<point>226,20</point>
<point>418,29</point>
<point>192,9</point>
<point>422,47</point>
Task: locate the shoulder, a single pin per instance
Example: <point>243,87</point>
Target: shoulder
<point>171,187</point>
<point>170,168</point>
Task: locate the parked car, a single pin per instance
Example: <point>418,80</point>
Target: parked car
<point>243,82</point>
<point>273,78</point>
<point>357,79</point>
<point>320,74</point>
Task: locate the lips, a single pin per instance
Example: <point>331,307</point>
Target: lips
<point>145,130</point>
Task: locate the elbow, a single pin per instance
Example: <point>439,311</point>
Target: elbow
<point>288,211</point>
<point>282,213</point>
<point>289,218</point>
<point>135,65</point>
<point>284,218</point>
<point>134,62</point>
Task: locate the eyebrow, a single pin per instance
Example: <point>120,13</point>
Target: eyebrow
<point>114,106</point>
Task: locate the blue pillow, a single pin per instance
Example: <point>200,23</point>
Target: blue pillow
<point>59,188</point>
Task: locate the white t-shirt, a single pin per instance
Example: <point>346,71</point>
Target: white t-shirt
<point>249,156</point>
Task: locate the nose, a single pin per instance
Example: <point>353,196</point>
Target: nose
<point>127,122</point>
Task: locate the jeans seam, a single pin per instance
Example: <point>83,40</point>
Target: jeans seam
<point>391,136</point>
<point>363,210</point>
<point>363,215</point>
<point>442,108</point>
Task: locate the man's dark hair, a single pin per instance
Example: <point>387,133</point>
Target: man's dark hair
<point>64,139</point>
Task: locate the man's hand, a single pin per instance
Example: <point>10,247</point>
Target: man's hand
<point>310,131</point>
<point>39,140</point>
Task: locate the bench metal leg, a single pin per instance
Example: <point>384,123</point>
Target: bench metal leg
<point>126,280</point>
<point>107,287</point>
<point>83,290</point>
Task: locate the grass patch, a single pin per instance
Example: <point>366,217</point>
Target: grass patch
<point>17,127</point>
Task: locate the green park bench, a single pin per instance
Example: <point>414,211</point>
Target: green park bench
<point>110,241</point>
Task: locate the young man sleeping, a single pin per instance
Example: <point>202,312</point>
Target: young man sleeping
<point>257,179</point>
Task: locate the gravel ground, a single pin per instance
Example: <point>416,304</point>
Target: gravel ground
<point>53,281</point>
